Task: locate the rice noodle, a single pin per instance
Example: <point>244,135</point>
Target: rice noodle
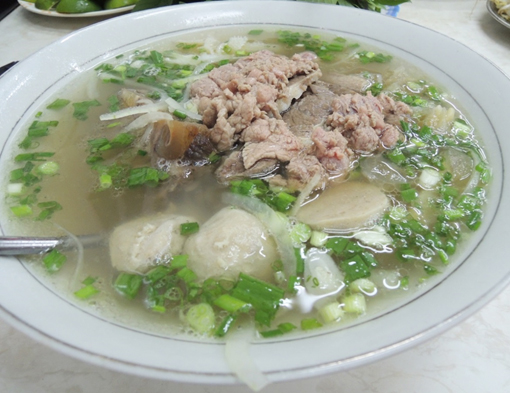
<point>148,118</point>
<point>276,226</point>
<point>135,110</point>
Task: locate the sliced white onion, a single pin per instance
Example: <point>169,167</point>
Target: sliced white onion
<point>375,237</point>
<point>239,359</point>
<point>429,177</point>
<point>326,278</point>
<point>146,119</point>
<point>303,195</point>
<point>381,171</point>
<point>135,110</point>
<point>176,106</point>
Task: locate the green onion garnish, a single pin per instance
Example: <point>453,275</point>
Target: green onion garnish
<point>188,228</point>
<point>53,261</point>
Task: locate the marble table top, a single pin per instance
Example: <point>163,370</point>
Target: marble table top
<point>472,357</point>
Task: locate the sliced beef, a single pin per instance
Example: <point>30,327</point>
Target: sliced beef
<point>254,87</point>
<point>232,168</point>
<point>332,150</point>
<point>394,111</point>
<point>345,84</point>
<point>311,110</point>
<point>361,119</point>
<point>269,139</point>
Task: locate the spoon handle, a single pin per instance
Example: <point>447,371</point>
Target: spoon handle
<point>17,245</point>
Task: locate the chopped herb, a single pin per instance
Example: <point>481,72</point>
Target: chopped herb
<point>310,323</point>
<point>265,298</point>
<point>86,292</point>
<point>145,176</point>
<point>59,103</point>
<point>371,57</point>
<point>53,261</point>
<point>128,285</point>
<point>49,168</point>
<point>47,209</point>
<point>114,103</point>
<point>188,228</point>
<point>282,329</point>
<point>21,210</point>
<point>81,109</point>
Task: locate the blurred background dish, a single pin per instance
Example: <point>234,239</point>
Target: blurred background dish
<point>32,8</point>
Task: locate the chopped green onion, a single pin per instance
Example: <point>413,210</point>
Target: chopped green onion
<point>179,114</point>
<point>33,156</point>
<point>49,168</point>
<point>53,261</point>
<point>354,268</point>
<point>225,325</point>
<point>300,233</point>
<point>59,103</point>
<point>409,195</point>
<point>331,312</point>
<point>337,244</point>
<point>188,228</point>
<point>21,210</point>
<point>145,176</point>
<point>81,109</point>
<point>231,304</point>
<point>16,189</point>
<point>86,292</point>
<point>310,323</point>
<point>265,298</point>
<point>105,181</point>
<point>201,317</point>
<point>282,329</point>
<point>122,139</point>
<point>363,285</point>
<point>355,304</point>
<point>89,280</point>
<point>318,238</point>
<point>128,285</point>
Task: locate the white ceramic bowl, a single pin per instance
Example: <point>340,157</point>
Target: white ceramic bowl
<point>479,271</point>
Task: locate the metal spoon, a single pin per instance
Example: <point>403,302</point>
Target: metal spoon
<point>17,245</point>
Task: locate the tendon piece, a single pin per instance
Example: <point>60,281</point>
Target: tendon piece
<point>138,245</point>
<point>295,89</point>
<point>346,206</point>
<point>311,110</point>
<point>232,242</point>
<point>170,139</point>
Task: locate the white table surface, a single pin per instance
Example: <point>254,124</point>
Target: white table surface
<point>473,357</point>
